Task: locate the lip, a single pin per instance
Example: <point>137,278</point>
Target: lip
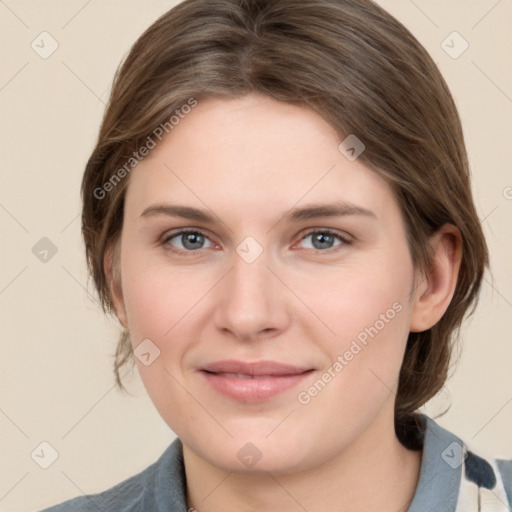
<point>253,382</point>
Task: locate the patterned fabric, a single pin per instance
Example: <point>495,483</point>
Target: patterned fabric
<point>482,487</point>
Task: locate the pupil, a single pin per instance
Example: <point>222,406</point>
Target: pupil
<point>324,240</point>
<point>191,238</point>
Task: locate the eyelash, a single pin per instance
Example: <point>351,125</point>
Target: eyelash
<point>344,241</point>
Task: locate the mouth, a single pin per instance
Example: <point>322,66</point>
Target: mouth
<point>253,382</point>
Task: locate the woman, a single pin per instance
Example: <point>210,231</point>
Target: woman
<point>278,210</point>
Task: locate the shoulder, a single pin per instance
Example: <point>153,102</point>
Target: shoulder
<point>484,477</point>
<point>457,476</point>
<point>161,482</point>
<point>123,497</point>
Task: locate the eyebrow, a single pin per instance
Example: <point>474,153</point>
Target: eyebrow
<point>295,215</point>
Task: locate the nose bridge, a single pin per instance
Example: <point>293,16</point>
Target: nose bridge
<point>250,281</point>
<point>250,301</point>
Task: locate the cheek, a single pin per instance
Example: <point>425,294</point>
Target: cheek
<point>364,302</point>
<point>362,369</point>
<point>157,296</point>
<point>368,311</point>
<point>161,306</point>
<point>167,306</point>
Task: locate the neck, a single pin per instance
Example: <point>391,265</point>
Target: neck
<point>376,472</point>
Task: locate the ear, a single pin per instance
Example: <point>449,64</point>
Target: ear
<point>433,295</point>
<point>112,265</point>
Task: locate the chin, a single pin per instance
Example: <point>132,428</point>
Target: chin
<point>255,451</point>
<point>251,459</point>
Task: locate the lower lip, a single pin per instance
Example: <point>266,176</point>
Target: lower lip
<point>255,389</point>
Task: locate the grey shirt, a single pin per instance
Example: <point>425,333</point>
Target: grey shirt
<point>161,487</point>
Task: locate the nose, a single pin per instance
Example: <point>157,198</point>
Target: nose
<point>252,302</point>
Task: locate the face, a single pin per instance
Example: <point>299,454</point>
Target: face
<point>268,329</point>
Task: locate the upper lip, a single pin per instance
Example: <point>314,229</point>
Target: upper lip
<point>271,368</point>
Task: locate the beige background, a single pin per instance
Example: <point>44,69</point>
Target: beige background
<point>56,383</point>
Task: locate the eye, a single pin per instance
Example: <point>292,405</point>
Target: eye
<point>189,241</point>
<point>322,239</point>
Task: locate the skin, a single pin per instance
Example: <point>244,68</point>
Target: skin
<point>248,161</point>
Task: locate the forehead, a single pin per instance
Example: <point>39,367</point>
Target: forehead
<point>253,154</point>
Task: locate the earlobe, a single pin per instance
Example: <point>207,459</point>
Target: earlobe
<point>433,295</point>
<point>112,272</point>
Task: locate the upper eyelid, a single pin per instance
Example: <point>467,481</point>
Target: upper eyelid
<point>168,235</point>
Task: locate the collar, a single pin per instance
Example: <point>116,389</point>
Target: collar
<point>437,489</point>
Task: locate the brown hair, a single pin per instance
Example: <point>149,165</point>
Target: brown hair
<point>356,66</point>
